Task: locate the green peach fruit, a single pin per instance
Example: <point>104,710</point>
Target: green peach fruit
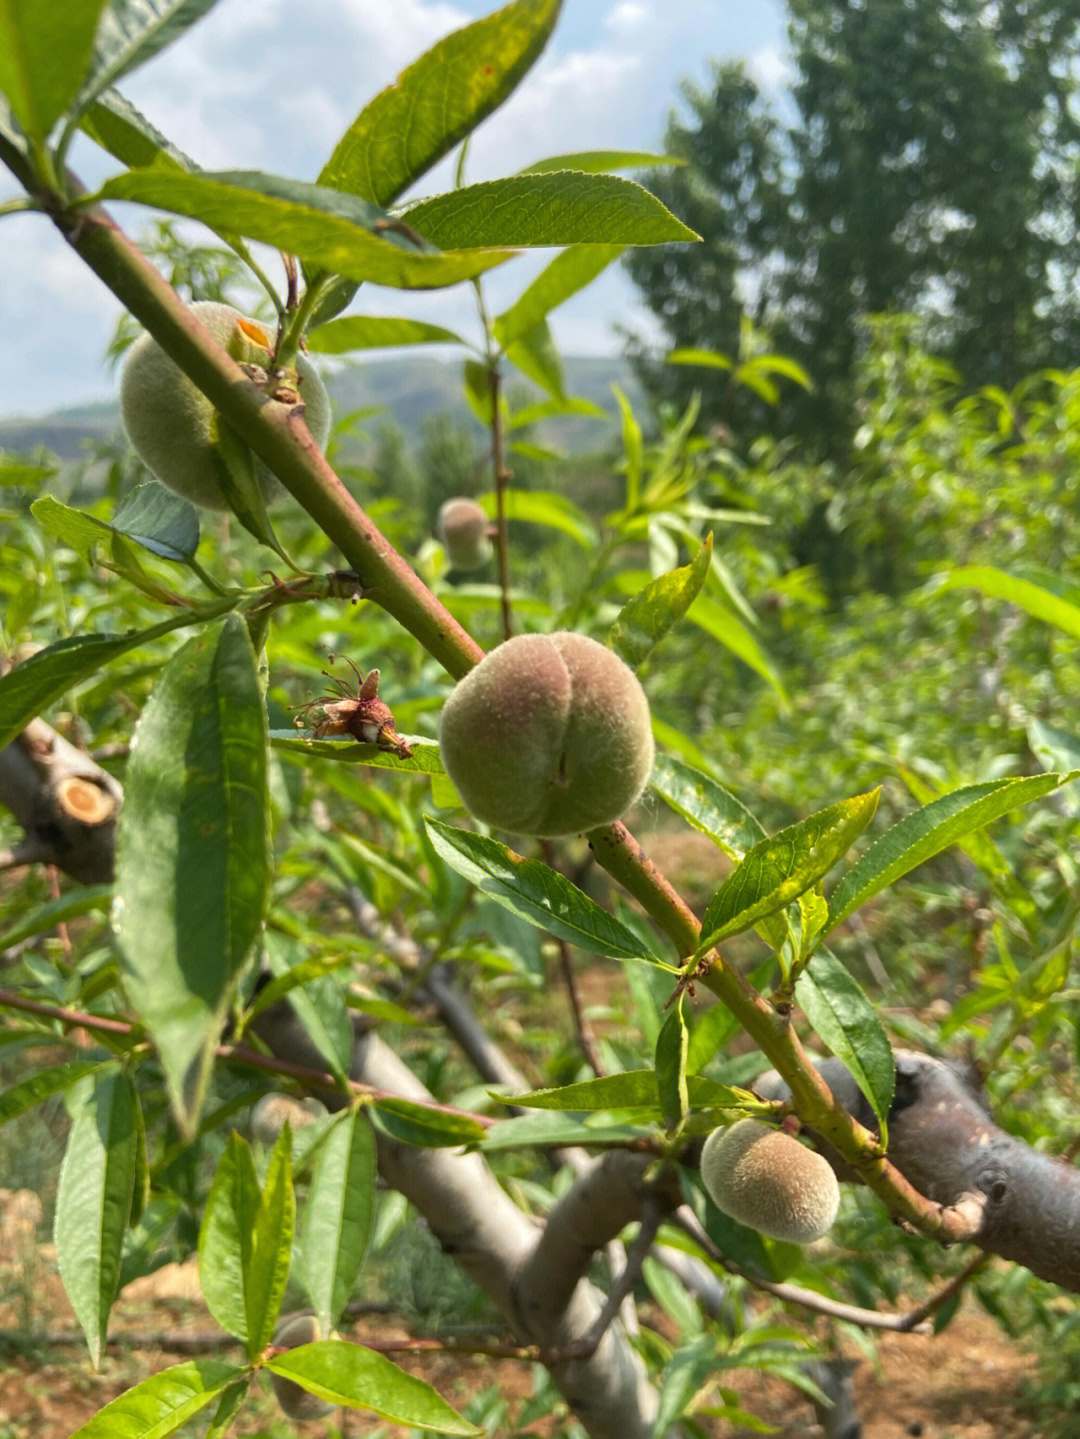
<point>297,1402</point>
<point>168,419</point>
<point>463,529</point>
<point>767,1180</point>
<point>549,735</point>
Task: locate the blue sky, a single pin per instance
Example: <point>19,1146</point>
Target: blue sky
<point>269,85</point>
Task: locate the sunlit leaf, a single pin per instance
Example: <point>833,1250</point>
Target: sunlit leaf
<point>93,1202</point>
<point>438,100</point>
<point>929,830</point>
<point>161,1404</point>
<point>192,853</point>
<point>425,1126</point>
<point>564,207</point>
<point>601,161</point>
<point>132,32</point>
<point>534,891</point>
<point>338,1216</point>
<point>706,805</point>
<point>1041,594</point>
<point>564,276</point>
<point>339,233</point>
<point>632,1089</point>
<point>359,1378</point>
<point>846,1021</point>
<point>376,332</point>
<point>542,507</point>
<point>44,53</point>
<point>777,870</point>
<point>647,617</point>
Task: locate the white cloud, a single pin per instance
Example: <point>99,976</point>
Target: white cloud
<point>627,17</point>
<point>771,68</point>
<point>266,84</point>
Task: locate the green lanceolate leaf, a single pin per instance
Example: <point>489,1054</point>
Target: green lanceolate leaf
<point>160,521</point>
<point>706,805</point>
<point>437,101</point>
<point>335,232</point>
<point>226,1237</point>
<point>539,410</point>
<point>44,53</point>
<point>726,627</point>
<point>93,1202</point>
<point>534,891</point>
<point>131,33</point>
<point>44,1083</point>
<point>87,899</point>
<point>192,864</point>
<point>600,161</point>
<point>566,274</point>
<point>671,1051</point>
<point>646,618</point>
<point>70,526</point>
<point>541,507</point>
<point>845,1020</point>
<point>376,332</point>
<point>359,1378</point>
<point>929,830</point>
<point>535,355</point>
<point>564,207</point>
<point>229,1405</point>
<point>20,473</point>
<point>267,1269</point>
<point>33,685</point>
<point>1043,595</point>
<point>336,1226</point>
<point>117,126</point>
<point>161,1404</point>
<point>425,758</point>
<point>1055,749</point>
<point>779,869</point>
<point>424,1126</point>
<point>234,470</point>
<point>633,1089</point>
<point>532,1131</point>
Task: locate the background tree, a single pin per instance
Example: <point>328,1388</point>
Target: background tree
<point>931,167</point>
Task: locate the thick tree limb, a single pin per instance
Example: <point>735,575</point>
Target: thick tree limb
<point>478,1224</point>
<point>1020,1204</point>
<point>65,802</point>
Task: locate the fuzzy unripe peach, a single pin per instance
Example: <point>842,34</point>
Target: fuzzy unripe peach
<point>272,1112</point>
<point>168,419</point>
<point>297,1402</point>
<point>463,529</point>
<point>767,1180</point>
<point>549,735</point>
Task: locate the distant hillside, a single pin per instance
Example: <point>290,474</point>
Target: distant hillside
<point>64,432</point>
<point>408,390</point>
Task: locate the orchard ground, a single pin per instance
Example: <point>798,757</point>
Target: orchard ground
<point>965,1383</point>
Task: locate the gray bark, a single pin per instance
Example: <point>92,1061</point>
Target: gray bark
<point>65,803</point>
<point>943,1139</point>
<point>481,1228</point>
